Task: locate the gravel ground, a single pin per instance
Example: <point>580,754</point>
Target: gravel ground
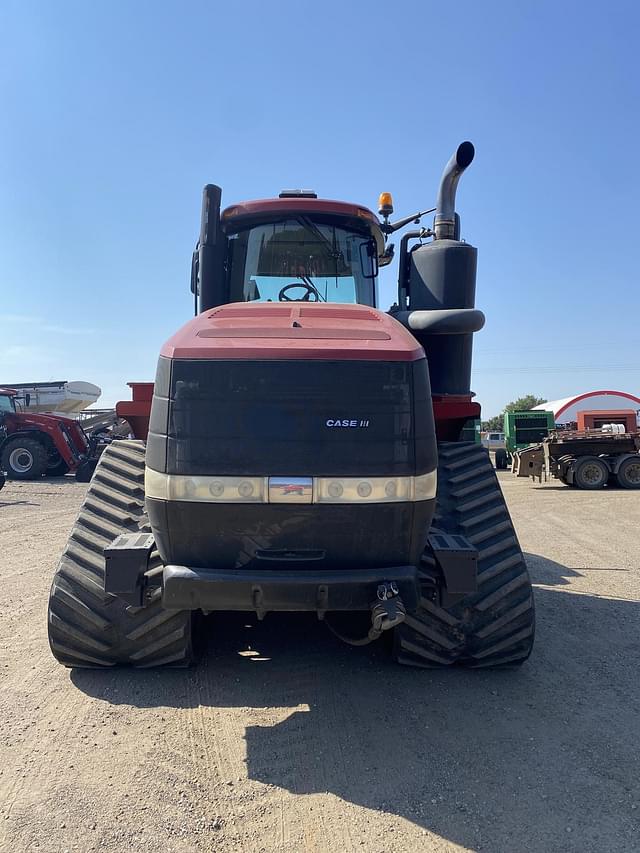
<point>282,739</point>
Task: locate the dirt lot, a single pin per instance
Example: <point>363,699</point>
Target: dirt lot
<point>282,739</point>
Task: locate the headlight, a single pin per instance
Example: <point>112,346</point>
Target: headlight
<point>177,487</point>
<point>369,489</point>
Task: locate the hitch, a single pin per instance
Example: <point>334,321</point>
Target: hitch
<point>387,612</point>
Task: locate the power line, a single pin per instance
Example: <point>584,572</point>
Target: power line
<point>561,368</point>
<point>480,350</point>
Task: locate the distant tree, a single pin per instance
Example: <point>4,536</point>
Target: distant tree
<point>494,424</point>
<point>522,404</point>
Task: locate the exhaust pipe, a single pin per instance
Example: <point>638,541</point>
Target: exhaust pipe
<point>445,222</point>
<point>210,250</point>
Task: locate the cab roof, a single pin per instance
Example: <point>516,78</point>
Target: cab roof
<point>298,204</point>
<point>246,213</point>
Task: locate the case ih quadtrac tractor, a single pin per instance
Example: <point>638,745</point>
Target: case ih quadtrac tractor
<point>302,451</point>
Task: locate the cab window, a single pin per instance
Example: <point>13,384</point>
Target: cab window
<point>300,260</point>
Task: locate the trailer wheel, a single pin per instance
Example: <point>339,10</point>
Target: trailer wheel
<point>87,627</point>
<point>501,459</point>
<point>24,458</point>
<point>590,473</point>
<point>494,626</point>
<point>628,476</point>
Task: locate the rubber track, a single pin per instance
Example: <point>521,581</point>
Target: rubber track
<point>493,627</point>
<point>88,628</point>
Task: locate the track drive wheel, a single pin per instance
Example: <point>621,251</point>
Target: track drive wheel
<point>494,626</point>
<point>87,627</point>
<point>24,458</point>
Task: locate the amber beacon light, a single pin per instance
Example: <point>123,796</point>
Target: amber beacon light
<point>385,204</point>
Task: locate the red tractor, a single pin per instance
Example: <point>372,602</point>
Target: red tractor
<point>302,450</point>
<point>33,445</point>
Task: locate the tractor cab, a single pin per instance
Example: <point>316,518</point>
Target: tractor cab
<point>294,248</point>
<point>7,407</point>
<point>7,401</point>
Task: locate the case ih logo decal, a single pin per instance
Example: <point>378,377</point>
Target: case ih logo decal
<point>347,424</point>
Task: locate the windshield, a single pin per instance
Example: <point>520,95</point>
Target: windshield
<point>6,404</point>
<point>301,260</point>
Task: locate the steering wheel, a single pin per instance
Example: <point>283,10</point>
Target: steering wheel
<point>309,288</point>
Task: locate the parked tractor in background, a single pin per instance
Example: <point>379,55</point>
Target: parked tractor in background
<point>520,430</point>
<point>34,444</point>
<point>300,452</point>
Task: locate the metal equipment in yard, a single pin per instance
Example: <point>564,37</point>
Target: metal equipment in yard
<point>587,459</point>
<point>606,419</point>
<point>522,429</point>
<point>62,397</point>
<point>472,431</point>
<point>302,450</point>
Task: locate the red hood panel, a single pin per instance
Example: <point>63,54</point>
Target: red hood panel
<point>25,419</point>
<point>259,330</point>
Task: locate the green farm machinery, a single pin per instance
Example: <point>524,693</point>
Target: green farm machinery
<point>522,429</point>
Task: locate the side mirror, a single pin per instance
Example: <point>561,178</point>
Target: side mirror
<point>387,256</point>
<point>369,259</point>
<point>194,272</point>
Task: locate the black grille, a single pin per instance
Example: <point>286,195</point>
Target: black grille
<point>279,417</point>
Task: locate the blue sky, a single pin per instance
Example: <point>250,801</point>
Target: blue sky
<point>113,116</point>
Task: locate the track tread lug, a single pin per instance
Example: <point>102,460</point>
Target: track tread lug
<point>81,610</point>
<point>509,616</point>
<point>477,486</point>
<point>498,547</point>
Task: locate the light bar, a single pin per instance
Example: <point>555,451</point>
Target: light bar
<point>326,490</point>
<point>331,490</point>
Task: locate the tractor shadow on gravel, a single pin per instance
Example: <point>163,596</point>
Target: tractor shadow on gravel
<point>539,759</point>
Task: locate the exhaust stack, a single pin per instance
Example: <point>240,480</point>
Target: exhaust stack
<point>210,251</point>
<point>446,224</point>
<point>438,281</point>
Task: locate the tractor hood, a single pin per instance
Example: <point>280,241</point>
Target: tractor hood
<point>265,330</point>
<point>24,420</point>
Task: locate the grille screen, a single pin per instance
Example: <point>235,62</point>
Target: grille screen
<point>297,418</point>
